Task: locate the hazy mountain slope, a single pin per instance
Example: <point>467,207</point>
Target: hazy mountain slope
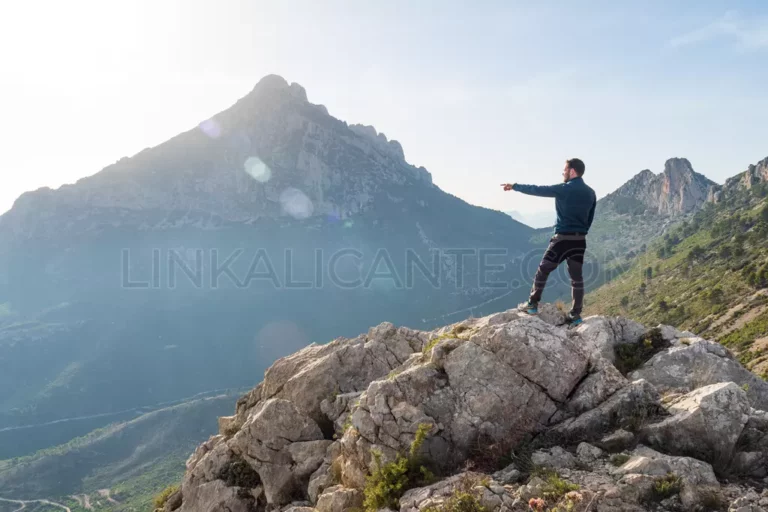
<point>113,455</point>
<point>121,288</point>
<point>708,275</point>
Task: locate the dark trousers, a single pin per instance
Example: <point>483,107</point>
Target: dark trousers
<point>568,248</point>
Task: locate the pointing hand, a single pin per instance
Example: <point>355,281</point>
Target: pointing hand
<point>507,186</point>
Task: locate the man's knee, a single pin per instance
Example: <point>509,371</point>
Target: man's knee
<point>575,271</point>
<point>547,266</point>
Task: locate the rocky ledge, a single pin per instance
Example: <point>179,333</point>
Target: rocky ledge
<point>503,413</point>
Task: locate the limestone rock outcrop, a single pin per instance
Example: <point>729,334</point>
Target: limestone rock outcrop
<point>514,412</point>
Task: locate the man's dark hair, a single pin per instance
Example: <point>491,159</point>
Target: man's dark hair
<point>577,165</point>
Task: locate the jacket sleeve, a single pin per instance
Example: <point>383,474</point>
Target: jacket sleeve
<point>539,190</point>
<point>591,213</point>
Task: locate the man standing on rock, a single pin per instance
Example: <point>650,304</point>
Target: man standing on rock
<point>575,204</point>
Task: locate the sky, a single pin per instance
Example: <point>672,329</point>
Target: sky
<point>479,93</point>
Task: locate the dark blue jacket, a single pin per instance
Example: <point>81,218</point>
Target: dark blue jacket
<point>574,201</point>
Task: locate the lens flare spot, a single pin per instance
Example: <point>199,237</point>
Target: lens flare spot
<point>211,128</point>
<point>257,169</point>
<point>296,204</point>
<point>348,224</point>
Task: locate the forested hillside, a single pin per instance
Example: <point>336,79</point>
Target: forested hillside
<point>708,275</point>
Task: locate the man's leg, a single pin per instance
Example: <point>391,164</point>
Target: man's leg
<point>575,261</point>
<point>549,262</point>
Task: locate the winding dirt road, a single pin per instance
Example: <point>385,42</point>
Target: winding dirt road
<point>24,504</point>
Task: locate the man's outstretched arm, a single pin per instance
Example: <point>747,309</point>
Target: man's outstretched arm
<point>536,190</point>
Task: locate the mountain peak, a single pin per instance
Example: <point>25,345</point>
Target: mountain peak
<point>645,174</point>
<point>678,189</point>
<point>272,84</point>
<point>242,165</point>
<point>681,168</point>
<point>272,80</point>
<point>677,165</point>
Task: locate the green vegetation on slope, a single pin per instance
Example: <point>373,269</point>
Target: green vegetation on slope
<point>708,275</point>
<point>134,494</point>
<point>134,460</point>
<point>139,492</point>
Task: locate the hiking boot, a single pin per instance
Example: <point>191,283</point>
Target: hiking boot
<point>529,307</point>
<point>573,319</point>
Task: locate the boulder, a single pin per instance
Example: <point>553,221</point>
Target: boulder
<point>202,450</point>
<point>629,408</point>
<point>533,489</point>
<point>509,475</point>
<point>599,335</point>
<point>754,436</point>
<point>339,499</point>
<point>749,464</point>
<point>282,445</point>
<point>751,458</point>
<point>705,424</point>
<point>555,458</point>
<point>217,495</point>
<point>504,382</point>
<point>318,372</point>
<point>551,314</point>
<point>700,364</point>
<point>219,476</point>
<point>539,352</point>
<point>602,382</point>
<point>697,477</point>
<point>670,334</point>
<point>587,454</point>
<point>486,492</point>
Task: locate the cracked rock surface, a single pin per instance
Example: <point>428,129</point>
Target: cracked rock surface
<point>510,402</point>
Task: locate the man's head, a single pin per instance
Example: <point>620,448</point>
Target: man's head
<point>574,168</point>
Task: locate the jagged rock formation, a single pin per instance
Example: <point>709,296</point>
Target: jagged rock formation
<point>662,438</point>
<point>646,206</point>
<point>755,173</point>
<point>676,190</point>
<point>236,167</point>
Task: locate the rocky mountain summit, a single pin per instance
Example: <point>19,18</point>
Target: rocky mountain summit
<point>502,413</point>
<point>271,154</point>
<point>646,206</point>
<point>676,190</point>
